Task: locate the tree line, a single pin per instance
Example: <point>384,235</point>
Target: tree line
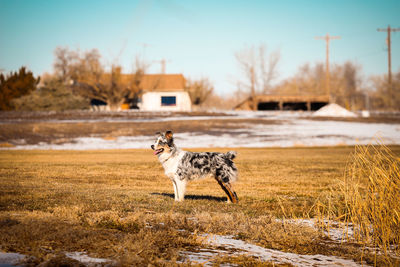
<point>349,88</point>
<point>79,77</point>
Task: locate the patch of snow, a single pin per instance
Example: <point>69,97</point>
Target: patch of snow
<point>365,114</point>
<point>10,259</point>
<point>336,231</point>
<point>84,258</point>
<point>272,255</point>
<point>334,110</point>
<point>203,256</point>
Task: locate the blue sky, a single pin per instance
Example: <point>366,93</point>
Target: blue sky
<point>198,38</point>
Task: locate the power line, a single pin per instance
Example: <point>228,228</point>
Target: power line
<point>388,30</point>
<point>327,38</point>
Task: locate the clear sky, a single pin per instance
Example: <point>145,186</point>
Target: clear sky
<point>199,38</point>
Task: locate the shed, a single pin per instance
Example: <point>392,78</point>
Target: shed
<point>285,102</point>
<point>164,92</point>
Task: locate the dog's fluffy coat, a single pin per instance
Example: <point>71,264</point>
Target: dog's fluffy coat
<point>183,166</point>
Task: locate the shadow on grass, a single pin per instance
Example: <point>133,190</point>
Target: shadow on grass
<point>195,197</point>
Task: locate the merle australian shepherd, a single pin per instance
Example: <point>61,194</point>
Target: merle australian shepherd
<point>184,166</point>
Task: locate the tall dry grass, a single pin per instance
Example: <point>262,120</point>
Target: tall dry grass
<point>371,195</point>
<point>366,203</point>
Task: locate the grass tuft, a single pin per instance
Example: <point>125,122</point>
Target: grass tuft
<point>366,202</point>
<point>371,191</point>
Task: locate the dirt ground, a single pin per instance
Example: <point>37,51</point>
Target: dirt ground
<point>33,128</point>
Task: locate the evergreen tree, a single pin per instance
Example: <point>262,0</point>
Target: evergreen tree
<point>16,85</point>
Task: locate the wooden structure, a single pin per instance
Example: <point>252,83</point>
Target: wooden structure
<point>285,102</point>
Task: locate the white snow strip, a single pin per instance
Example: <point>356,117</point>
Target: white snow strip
<point>203,256</point>
<point>10,259</point>
<point>84,258</point>
<point>271,255</point>
<point>299,132</point>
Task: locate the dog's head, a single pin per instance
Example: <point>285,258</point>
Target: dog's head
<point>163,144</point>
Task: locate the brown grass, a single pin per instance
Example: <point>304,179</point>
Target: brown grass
<point>118,204</point>
<point>368,200</point>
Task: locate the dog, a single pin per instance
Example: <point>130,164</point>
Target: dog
<point>183,166</point>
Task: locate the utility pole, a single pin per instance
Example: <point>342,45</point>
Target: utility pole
<point>163,64</point>
<point>327,38</point>
<point>388,40</point>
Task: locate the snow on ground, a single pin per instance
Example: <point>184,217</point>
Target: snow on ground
<point>10,259</point>
<point>334,110</point>
<point>229,246</point>
<point>293,131</point>
<point>85,259</point>
<point>336,231</point>
<point>13,259</point>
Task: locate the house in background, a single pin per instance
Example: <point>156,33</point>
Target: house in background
<point>164,92</point>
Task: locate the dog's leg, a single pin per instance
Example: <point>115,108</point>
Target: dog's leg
<point>175,190</point>
<point>181,188</point>
<point>228,189</point>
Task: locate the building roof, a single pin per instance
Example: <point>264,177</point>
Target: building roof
<point>163,82</point>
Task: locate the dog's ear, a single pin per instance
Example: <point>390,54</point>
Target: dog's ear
<point>168,135</point>
<point>158,133</point>
<point>170,139</point>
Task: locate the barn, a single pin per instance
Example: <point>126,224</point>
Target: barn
<point>285,102</point>
<point>164,92</point>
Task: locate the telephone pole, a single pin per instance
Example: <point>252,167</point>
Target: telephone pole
<point>327,38</point>
<point>388,40</point>
<point>163,62</point>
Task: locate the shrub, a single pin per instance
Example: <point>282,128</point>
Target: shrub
<point>56,98</point>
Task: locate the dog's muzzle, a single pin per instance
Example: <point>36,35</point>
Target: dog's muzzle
<point>158,151</point>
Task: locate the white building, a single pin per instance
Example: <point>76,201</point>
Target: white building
<point>164,92</point>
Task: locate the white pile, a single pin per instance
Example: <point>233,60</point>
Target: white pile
<point>334,110</point>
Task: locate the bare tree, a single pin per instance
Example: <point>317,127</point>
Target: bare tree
<point>308,80</point>
<point>380,92</point>
<point>199,90</point>
<point>90,79</point>
<point>259,70</point>
<point>114,87</point>
<point>345,83</point>
<point>61,63</point>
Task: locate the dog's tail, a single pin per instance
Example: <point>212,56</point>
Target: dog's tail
<point>230,155</point>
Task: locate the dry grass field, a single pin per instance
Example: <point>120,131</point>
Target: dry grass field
<point>118,205</point>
